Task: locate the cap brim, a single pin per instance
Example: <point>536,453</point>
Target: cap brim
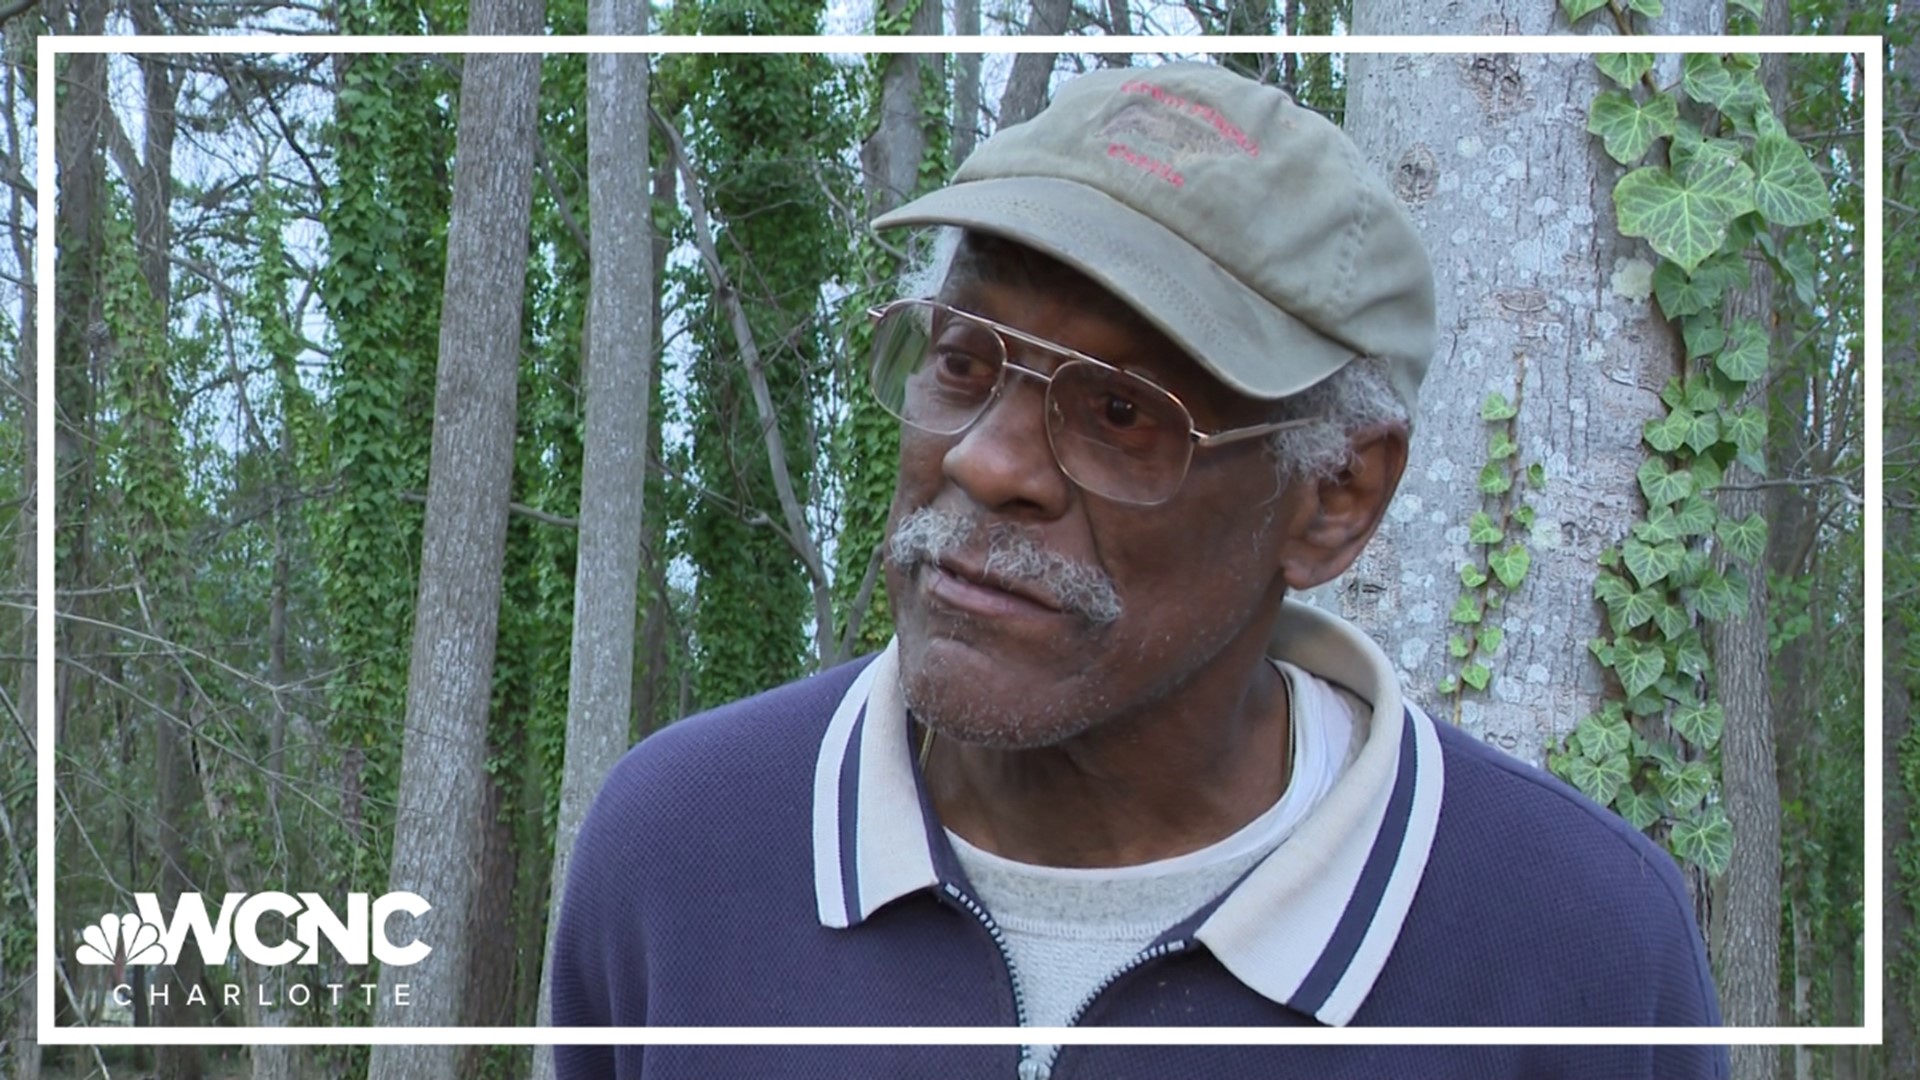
<point>1254,347</point>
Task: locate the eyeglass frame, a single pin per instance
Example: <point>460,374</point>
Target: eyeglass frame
<point>1197,439</point>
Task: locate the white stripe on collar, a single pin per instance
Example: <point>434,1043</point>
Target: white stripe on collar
<point>1310,928</point>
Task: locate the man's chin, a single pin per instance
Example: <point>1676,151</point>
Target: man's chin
<point>968,704</point>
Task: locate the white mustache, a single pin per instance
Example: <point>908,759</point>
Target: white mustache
<point>1012,554</point>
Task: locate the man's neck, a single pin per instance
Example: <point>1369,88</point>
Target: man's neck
<point>1133,790</point>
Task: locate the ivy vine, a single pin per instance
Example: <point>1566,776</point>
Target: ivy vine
<point>1499,564</point>
<point>1713,174</point>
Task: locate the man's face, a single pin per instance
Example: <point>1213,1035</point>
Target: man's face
<point>1028,610</point>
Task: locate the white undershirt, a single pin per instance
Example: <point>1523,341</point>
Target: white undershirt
<point>1067,930</point>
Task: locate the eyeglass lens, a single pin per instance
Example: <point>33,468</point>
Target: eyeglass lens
<point>1112,433</point>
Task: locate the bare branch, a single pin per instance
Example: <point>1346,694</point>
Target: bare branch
<point>797,535</point>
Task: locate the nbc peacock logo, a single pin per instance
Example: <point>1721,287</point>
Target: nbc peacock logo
<point>103,942</point>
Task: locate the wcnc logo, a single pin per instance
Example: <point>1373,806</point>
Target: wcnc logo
<point>150,938</point>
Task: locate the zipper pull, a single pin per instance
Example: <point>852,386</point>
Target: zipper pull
<point>1032,1069</point>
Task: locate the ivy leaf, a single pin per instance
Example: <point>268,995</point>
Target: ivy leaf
<point>1501,447</point>
<point>1693,516</point>
<point>1706,79</point>
<point>1651,562</point>
<point>1449,684</point>
<point>1639,808</point>
<point>1510,566</point>
<point>1667,433</point>
<point>1598,781</point>
<point>1658,528</point>
<point>1523,516</point>
<point>1700,724</point>
<point>1611,589</point>
<point>1628,128</point>
<point>1466,610</point>
<point>1472,576</point>
<point>1684,787</point>
<point>1700,393</point>
<point>1661,486</point>
<point>1690,654</point>
<point>1537,480</point>
<point>1650,8</point>
<point>1496,407</point>
<point>1787,190</point>
<point>1638,663</point>
<point>1795,261</point>
<point>1603,735</point>
<point>1706,840</point>
<point>1706,473</point>
<point>1751,7</point>
<point>1745,539</point>
<point>1491,638</point>
<point>1602,651</point>
<point>1476,676</point>
<point>1703,430</point>
<point>1703,333</point>
<point>1671,393</point>
<point>1458,648</point>
<point>1721,596</point>
<point>1635,611</point>
<point>1693,569</point>
<point>1623,68</point>
<point>1482,529</point>
<point>1578,9</point>
<point>1682,293</point>
<point>1494,479</point>
<point>1746,429</point>
<point>1684,213</point>
<point>1745,357</point>
<point>1671,619</point>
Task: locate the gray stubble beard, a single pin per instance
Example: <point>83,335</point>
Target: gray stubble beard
<point>1016,556</point>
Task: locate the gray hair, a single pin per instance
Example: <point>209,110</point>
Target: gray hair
<point>1358,396</point>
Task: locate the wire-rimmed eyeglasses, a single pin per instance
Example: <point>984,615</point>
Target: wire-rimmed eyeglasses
<point>938,369</point>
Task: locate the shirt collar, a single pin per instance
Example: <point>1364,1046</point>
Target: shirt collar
<point>1310,927</point>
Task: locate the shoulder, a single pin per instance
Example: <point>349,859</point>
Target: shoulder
<point>753,755</point>
<point>1572,916</point>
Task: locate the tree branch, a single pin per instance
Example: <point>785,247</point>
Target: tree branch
<point>798,537</point>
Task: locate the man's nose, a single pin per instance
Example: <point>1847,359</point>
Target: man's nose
<point>1004,461</point>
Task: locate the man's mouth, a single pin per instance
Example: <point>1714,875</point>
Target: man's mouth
<point>960,585</point>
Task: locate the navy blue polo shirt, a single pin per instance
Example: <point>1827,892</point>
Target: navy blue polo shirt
<point>775,862</point>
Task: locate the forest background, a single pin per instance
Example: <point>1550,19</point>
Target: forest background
<point>1629,548</point>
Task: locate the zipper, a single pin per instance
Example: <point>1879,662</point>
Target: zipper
<point>1141,959</point>
<point>1030,1067</point>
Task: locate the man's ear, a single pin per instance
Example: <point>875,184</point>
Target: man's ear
<point>1345,509</point>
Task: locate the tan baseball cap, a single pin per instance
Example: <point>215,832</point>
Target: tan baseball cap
<point>1243,225</point>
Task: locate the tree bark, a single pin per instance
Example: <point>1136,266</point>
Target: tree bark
<point>1535,300</point>
<point>614,473</point>
<point>1026,92</point>
<point>966,82</point>
<point>1748,934</point>
<point>890,158</point>
<point>443,758</point>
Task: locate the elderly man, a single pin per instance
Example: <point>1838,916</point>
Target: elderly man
<point>1107,774</point>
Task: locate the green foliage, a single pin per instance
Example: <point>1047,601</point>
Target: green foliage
<point>748,118</point>
<point>1500,559</point>
<point>1729,173</point>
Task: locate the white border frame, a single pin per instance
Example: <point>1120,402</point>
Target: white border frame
<point>1871,1033</point>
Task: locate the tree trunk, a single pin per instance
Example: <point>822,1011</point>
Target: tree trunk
<point>613,476</point>
<point>443,757</point>
<point>1748,932</point>
<point>1026,92</point>
<point>890,157</point>
<point>1536,301</point>
<point>966,82</point>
